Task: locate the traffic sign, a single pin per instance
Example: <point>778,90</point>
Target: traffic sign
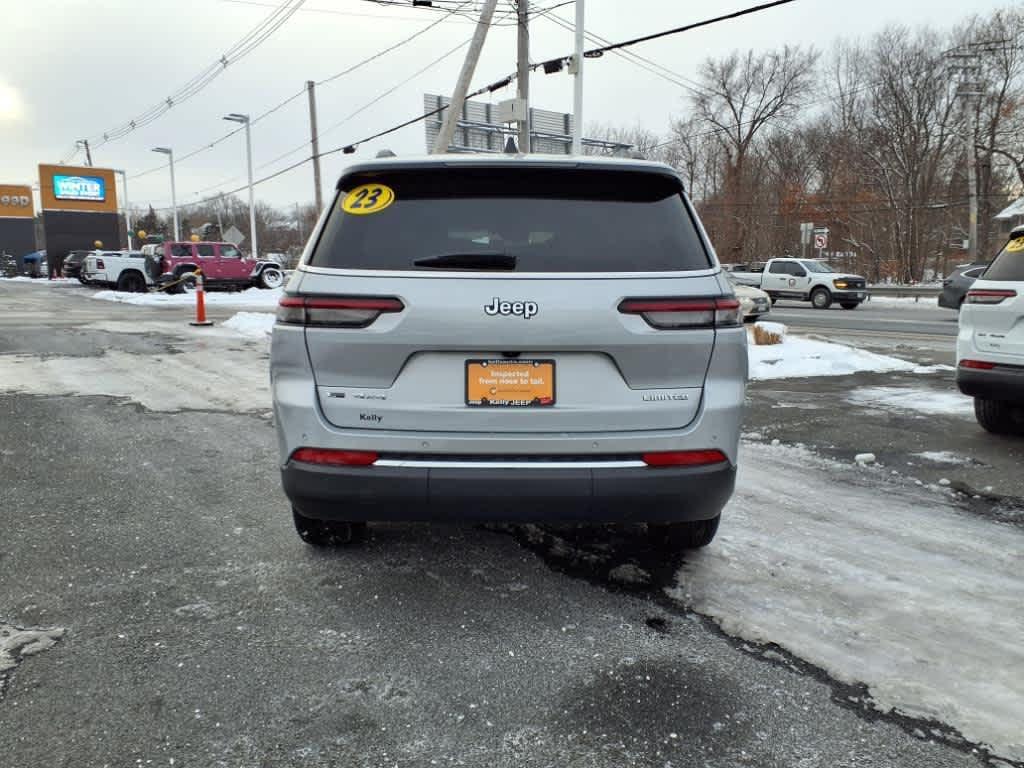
<point>821,241</point>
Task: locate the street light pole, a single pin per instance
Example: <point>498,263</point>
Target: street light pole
<point>127,212</point>
<point>235,117</point>
<point>174,199</point>
<point>577,101</point>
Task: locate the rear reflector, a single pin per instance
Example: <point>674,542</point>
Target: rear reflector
<point>684,458</point>
<point>673,314</point>
<point>334,458</point>
<point>989,296</point>
<point>978,365</point>
<point>335,312</point>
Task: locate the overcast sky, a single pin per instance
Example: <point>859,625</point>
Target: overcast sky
<point>76,68</point>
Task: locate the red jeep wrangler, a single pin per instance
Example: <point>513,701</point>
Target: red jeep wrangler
<point>223,266</point>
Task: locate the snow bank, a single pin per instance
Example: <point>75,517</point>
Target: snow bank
<point>797,357</point>
<point>910,596</point>
<point>920,399</point>
<point>943,457</point>
<point>904,302</point>
<point>253,297</point>
<point>255,324</point>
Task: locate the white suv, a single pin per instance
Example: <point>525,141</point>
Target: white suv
<point>990,347</point>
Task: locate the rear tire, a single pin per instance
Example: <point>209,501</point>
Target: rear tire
<point>327,533</point>
<point>850,304</point>
<point>188,284</point>
<point>999,417</point>
<point>131,282</point>
<point>688,535</point>
<point>271,277</point>
<point>821,298</point>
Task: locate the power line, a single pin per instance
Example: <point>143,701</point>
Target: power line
<point>300,93</point>
<point>241,48</point>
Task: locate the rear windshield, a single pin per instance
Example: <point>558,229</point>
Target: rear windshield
<point>1009,264</point>
<point>546,220</point>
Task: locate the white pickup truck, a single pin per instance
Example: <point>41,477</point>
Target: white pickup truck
<point>802,280</point>
<point>123,270</point>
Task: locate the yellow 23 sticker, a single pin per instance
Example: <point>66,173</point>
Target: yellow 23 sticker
<point>1015,245</point>
<point>368,198</point>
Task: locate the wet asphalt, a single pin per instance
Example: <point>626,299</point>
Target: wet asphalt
<point>199,630</point>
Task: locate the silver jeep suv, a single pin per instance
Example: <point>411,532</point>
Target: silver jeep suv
<point>509,339</point>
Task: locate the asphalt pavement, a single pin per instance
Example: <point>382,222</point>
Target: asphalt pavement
<point>193,628</point>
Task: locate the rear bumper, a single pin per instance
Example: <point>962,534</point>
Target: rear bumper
<point>407,494</point>
<point>1004,383</point>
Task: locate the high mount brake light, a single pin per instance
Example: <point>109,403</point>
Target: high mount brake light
<point>669,314</point>
<point>335,311</point>
<point>989,295</point>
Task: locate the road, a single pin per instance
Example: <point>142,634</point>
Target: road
<point>142,525</point>
<point>880,316</point>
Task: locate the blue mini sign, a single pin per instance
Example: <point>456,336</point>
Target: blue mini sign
<point>90,188</point>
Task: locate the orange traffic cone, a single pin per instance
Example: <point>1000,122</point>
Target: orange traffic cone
<point>200,302</point>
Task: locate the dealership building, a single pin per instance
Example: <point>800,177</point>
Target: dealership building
<point>79,207</point>
<point>17,222</point>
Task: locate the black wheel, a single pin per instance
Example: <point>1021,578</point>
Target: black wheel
<point>689,535</point>
<point>850,304</point>
<point>774,300</point>
<point>131,282</point>
<point>821,298</point>
<point>998,417</point>
<point>271,277</point>
<point>327,533</point>
<point>188,284</point>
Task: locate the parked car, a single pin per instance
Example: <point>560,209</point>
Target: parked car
<point>122,270</point>
<point>508,338</point>
<point>753,301</point>
<point>72,266</point>
<point>223,266</point>
<point>805,280</point>
<point>990,345</point>
<point>955,287</point>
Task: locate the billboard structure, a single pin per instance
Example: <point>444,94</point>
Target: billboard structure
<point>478,129</point>
<point>79,207</point>
<point>17,223</point>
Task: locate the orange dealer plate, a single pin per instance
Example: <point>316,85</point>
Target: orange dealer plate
<point>510,383</point>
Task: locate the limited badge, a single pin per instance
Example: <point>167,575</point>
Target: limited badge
<point>1016,245</point>
<point>368,198</point>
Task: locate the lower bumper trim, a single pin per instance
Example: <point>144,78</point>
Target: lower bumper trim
<point>506,494</point>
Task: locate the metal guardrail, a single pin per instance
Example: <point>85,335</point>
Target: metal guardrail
<point>905,291</point>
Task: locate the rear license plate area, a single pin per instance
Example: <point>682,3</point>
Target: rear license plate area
<point>510,383</point>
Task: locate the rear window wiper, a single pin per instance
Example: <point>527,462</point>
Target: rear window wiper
<point>469,261</point>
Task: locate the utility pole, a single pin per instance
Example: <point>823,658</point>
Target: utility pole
<point>965,65</point>
<point>451,115</point>
<point>523,73</point>
<point>577,101</point>
<point>318,190</point>
<point>88,154</point>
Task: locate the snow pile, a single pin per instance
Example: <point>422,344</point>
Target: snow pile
<point>910,597</point>
<point>40,280</point>
<point>796,357</point>
<point>904,302</point>
<point>253,297</point>
<point>943,457</point>
<point>254,324</point>
<point>920,399</point>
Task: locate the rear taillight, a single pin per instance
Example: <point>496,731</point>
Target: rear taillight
<point>669,314</point>
<point>978,365</point>
<point>684,458</point>
<point>335,312</point>
<point>333,458</point>
<point>100,264</point>
<point>989,295</point>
